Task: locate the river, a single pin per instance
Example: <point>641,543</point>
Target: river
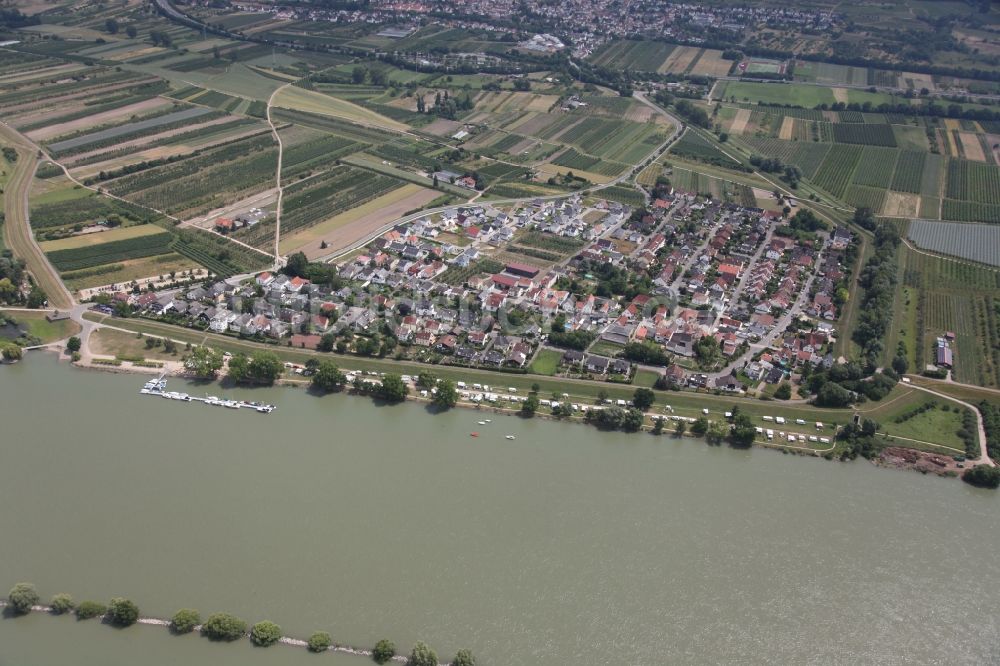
<point>565,546</point>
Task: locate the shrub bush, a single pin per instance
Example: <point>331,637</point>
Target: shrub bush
<point>224,627</point>
<point>122,612</point>
<point>265,633</point>
<point>89,609</point>
<point>61,603</point>
<point>384,651</point>
<point>319,641</point>
<point>22,597</point>
<point>185,620</point>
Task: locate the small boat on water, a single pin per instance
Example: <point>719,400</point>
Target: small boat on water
<point>511,437</point>
<point>474,434</point>
<point>489,421</point>
<point>482,423</point>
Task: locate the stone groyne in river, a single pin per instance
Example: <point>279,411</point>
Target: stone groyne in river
<point>284,640</point>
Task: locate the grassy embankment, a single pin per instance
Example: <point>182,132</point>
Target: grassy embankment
<point>901,400</point>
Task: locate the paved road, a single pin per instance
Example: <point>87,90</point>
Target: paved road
<point>17,228</point>
<point>779,328</point>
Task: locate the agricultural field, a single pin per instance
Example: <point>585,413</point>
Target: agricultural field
<point>838,168</point>
<point>360,221</point>
<point>96,254</point>
<point>100,237</point>
<point>203,181</point>
<point>694,146</point>
<point>943,294</point>
<point>807,96</point>
<point>977,242</point>
<point>719,189</point>
<point>310,101</point>
<point>830,74</point>
<point>123,272</point>
<point>646,56</point>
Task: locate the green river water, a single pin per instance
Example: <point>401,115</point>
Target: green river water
<point>565,546</point>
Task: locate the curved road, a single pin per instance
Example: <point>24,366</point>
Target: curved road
<point>17,228</point>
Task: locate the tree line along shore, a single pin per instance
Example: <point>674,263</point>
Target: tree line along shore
<point>121,612</point>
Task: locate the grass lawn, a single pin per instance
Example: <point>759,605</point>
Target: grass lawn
<point>970,394</point>
<point>934,425</point>
<point>604,348</point>
<point>116,234</point>
<point>311,101</point>
<point>43,329</point>
<point>546,362</point>
<point>109,342</point>
<point>237,79</point>
<point>777,93</point>
<point>44,192</point>
<point>807,96</point>
<point>646,378</point>
<point>910,138</point>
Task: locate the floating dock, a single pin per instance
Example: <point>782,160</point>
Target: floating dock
<point>158,387</point>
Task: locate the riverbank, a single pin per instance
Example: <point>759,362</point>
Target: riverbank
<point>923,462</point>
<point>684,403</point>
<point>377,521</point>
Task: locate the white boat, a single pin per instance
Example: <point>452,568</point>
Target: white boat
<point>489,421</point>
<point>232,404</point>
<point>482,423</point>
<point>511,437</point>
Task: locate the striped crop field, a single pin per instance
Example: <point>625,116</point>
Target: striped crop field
<point>909,172</point>
<point>876,167</point>
<point>838,168</point>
